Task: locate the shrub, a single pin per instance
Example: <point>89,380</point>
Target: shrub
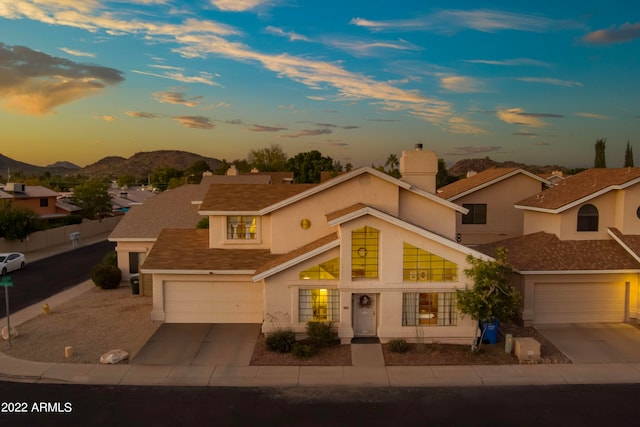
<point>398,346</point>
<point>321,334</point>
<point>106,276</point>
<point>280,341</point>
<point>111,258</point>
<point>303,351</point>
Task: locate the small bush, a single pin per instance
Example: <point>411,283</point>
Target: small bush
<point>303,351</point>
<point>398,346</point>
<point>280,341</point>
<point>321,334</point>
<point>106,276</point>
<point>111,258</point>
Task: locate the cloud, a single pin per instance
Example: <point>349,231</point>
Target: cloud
<point>593,116</point>
<point>451,21</point>
<point>76,52</point>
<point>370,48</point>
<point>234,122</point>
<point>292,36</point>
<point>624,33</point>
<point>105,118</point>
<point>237,5</point>
<point>35,83</point>
<point>459,84</point>
<point>350,127</point>
<point>515,62</point>
<point>312,132</point>
<point>465,151</point>
<point>550,81</point>
<point>203,78</point>
<point>517,116</point>
<point>195,122</point>
<point>142,115</point>
<point>524,134</point>
<point>261,128</point>
<point>175,97</point>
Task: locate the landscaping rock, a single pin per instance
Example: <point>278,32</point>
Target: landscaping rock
<point>114,356</point>
<point>5,333</point>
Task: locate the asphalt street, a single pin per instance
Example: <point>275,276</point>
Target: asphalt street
<point>560,405</point>
<point>51,275</point>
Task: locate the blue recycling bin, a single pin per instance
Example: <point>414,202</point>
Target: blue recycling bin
<point>489,332</point>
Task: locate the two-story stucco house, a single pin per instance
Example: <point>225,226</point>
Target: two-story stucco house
<point>375,255</point>
<point>490,197</point>
<point>579,257</point>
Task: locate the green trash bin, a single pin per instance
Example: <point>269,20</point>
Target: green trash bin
<point>135,284</point>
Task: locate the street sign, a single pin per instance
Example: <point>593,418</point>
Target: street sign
<point>6,281</point>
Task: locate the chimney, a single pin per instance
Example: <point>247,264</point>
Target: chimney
<point>419,168</point>
<point>232,171</point>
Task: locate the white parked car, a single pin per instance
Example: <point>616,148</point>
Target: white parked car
<point>12,261</point>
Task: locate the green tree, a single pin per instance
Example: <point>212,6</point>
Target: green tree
<point>306,167</point>
<point>628,156</point>
<point>600,160</point>
<point>93,198</point>
<point>442,177</point>
<point>272,159</point>
<point>391,166</point>
<point>492,297</point>
<point>161,176</point>
<point>193,174</point>
<point>17,223</point>
<point>126,180</point>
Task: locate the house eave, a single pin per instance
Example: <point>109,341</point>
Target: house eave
<point>576,272</point>
<point>294,261</point>
<point>194,272</point>
<point>498,179</point>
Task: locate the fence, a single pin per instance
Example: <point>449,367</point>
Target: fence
<point>59,236</point>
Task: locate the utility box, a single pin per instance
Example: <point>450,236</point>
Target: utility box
<point>526,349</point>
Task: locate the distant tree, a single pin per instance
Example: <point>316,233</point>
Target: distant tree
<point>391,166</point>
<point>160,177</point>
<point>600,160</point>
<point>93,198</point>
<point>348,167</point>
<point>442,177</point>
<point>195,171</point>
<point>222,167</point>
<point>272,159</point>
<point>126,180</point>
<point>306,167</point>
<point>17,223</point>
<point>628,156</point>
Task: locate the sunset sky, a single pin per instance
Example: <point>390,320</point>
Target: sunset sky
<point>535,82</point>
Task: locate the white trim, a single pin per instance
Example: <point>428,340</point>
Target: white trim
<point>294,261</point>
<point>624,245</point>
<point>498,179</point>
<point>581,200</point>
<point>192,272</point>
<point>367,210</point>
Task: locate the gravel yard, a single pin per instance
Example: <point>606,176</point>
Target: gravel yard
<point>92,323</point>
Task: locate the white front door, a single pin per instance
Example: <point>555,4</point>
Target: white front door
<point>364,315</point>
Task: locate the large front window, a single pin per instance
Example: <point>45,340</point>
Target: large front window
<point>241,227</point>
<point>419,265</point>
<point>318,305</point>
<point>328,270</point>
<point>364,253</point>
<point>429,309</point>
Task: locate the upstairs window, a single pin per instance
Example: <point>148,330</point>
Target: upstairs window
<point>588,218</point>
<point>477,213</point>
<point>44,203</point>
<point>419,265</point>
<point>328,270</point>
<point>241,227</point>
<point>364,253</point>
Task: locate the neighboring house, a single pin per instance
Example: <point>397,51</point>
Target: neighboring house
<point>579,258</point>
<point>490,197</point>
<point>373,254</point>
<point>39,199</point>
<point>122,199</point>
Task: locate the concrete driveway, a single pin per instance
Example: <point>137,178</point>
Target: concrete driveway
<point>199,344</point>
<point>595,342</point>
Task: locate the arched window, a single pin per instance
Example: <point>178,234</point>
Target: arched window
<point>588,218</point>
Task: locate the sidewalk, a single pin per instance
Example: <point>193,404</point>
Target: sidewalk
<point>367,368</point>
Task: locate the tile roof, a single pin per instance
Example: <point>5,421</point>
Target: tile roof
<point>169,209</point>
<point>545,252</point>
<point>584,185</point>
<point>188,250</point>
<point>248,197</point>
<point>281,259</point>
<point>466,184</point>
<point>630,241</point>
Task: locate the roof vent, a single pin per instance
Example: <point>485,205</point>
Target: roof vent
<point>417,147</point>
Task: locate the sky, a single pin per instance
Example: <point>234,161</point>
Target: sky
<point>534,82</point>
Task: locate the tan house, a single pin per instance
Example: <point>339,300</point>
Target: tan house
<point>579,257</point>
<point>373,254</point>
<point>490,197</point>
<point>36,198</point>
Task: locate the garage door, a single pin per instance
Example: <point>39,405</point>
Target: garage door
<point>213,302</point>
<point>579,302</point>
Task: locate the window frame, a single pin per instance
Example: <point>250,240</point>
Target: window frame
<point>44,202</point>
<point>417,306</point>
<point>476,215</point>
<point>306,301</point>
<point>365,246</point>
<point>587,218</point>
<point>242,221</point>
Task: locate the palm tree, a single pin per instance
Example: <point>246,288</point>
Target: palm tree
<point>392,163</point>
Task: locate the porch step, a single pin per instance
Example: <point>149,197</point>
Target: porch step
<point>366,355</point>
